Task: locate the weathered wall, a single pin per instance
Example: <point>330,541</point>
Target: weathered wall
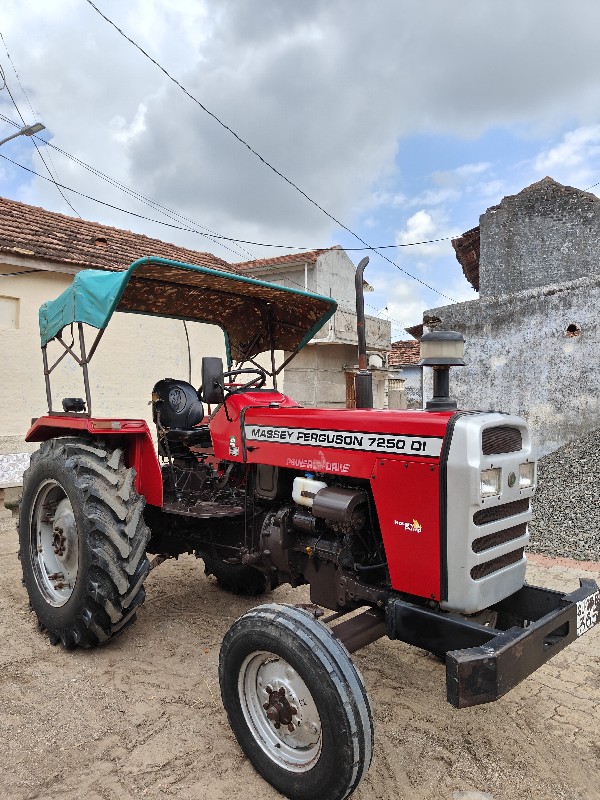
<point>548,233</point>
<point>341,329</point>
<point>521,358</point>
<point>331,275</point>
<point>316,378</point>
<point>334,277</point>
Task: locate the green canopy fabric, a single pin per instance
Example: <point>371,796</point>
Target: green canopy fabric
<point>91,298</point>
<point>253,314</point>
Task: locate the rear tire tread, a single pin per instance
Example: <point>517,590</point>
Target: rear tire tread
<point>115,540</point>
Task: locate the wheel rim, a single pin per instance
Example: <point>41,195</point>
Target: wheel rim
<point>280,711</point>
<point>54,543</point>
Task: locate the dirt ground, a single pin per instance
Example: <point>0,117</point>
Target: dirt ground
<point>141,718</point>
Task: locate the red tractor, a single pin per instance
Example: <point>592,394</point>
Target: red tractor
<point>414,520</point>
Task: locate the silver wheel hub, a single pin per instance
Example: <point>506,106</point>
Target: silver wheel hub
<point>54,543</point>
<point>280,711</point>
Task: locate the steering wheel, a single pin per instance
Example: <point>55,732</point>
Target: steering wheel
<point>257,382</point>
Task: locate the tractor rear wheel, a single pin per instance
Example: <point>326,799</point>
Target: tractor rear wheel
<point>296,703</point>
<point>82,541</point>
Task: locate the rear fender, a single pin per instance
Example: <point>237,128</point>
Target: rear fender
<point>133,434</point>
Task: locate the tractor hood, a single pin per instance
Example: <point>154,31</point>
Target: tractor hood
<point>255,316</point>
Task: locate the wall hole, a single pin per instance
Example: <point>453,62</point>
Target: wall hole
<point>573,330</point>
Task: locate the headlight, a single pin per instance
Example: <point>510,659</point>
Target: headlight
<point>490,481</point>
<point>526,475</point>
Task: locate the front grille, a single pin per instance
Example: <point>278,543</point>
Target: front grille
<point>500,537</point>
<point>501,439</point>
<point>481,570</point>
<point>495,513</point>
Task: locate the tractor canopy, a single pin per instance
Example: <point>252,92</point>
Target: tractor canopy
<point>255,316</point>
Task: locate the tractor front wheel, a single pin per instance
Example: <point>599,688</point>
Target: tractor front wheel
<point>296,703</point>
<point>82,540</point>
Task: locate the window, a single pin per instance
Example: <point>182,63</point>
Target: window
<point>9,312</point>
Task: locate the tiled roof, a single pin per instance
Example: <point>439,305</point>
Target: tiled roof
<point>39,234</point>
<point>404,353</point>
<point>415,330</point>
<point>467,251</point>
<point>308,257</point>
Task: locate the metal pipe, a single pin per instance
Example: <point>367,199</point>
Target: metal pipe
<point>273,368</point>
<point>360,313</point>
<point>84,365</point>
<point>363,380</point>
<point>47,378</point>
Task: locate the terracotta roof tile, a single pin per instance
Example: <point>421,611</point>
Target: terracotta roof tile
<point>308,257</point>
<point>415,330</point>
<point>39,234</point>
<point>467,249</point>
<point>404,353</point>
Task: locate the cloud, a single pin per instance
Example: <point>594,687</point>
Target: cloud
<point>327,90</point>
<point>574,149</point>
<point>124,131</point>
<point>461,176</point>
<point>574,159</point>
<point>424,226</point>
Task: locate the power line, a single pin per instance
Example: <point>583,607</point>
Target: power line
<point>111,205</point>
<point>181,227</point>
<point>174,214</point>
<point>259,156</point>
<point>141,216</point>
<point>65,198</point>
<point>33,114</point>
<point>136,195</point>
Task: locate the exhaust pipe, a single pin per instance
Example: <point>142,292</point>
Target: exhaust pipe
<point>363,380</point>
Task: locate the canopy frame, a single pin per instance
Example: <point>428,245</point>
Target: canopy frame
<point>259,317</point>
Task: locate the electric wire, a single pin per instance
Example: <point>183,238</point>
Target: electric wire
<point>136,195</point>
<point>114,207</point>
<point>157,221</point>
<point>176,215</point>
<point>33,114</point>
<point>178,227</point>
<point>14,102</point>
<point>262,158</point>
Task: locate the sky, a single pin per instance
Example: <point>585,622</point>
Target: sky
<point>403,120</point>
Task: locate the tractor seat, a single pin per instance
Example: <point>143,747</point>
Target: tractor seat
<point>177,411</point>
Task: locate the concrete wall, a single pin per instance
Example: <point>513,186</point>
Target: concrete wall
<point>331,275</point>
<point>341,329</point>
<point>533,337</point>
<point>522,359</point>
<point>548,233</point>
<point>316,377</point>
<point>334,277</point>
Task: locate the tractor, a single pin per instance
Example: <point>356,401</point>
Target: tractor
<point>410,524</point>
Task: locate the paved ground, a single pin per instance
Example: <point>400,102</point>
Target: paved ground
<point>141,718</point>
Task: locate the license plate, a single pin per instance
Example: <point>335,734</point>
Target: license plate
<point>587,613</point>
